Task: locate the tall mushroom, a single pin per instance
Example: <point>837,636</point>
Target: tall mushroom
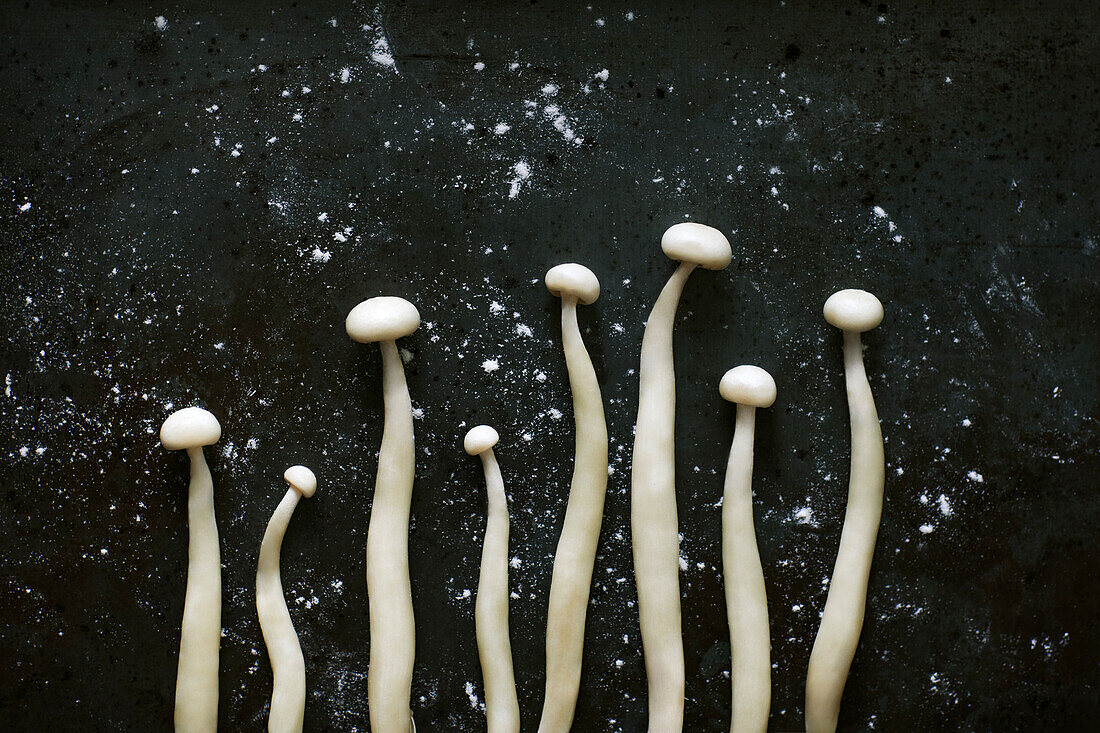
<point>288,668</point>
<point>491,606</point>
<point>389,594</point>
<point>576,552</point>
<point>200,635</point>
<point>852,311</point>
<point>749,387</point>
<point>654,532</point>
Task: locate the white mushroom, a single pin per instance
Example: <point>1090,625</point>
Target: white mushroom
<point>288,668</point>
<point>576,552</point>
<point>200,635</point>
<point>749,387</point>
<point>852,311</point>
<point>389,594</point>
<point>653,480</point>
<point>491,607</point>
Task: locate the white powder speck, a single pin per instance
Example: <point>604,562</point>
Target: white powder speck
<point>945,506</point>
<point>332,22</point>
<point>554,413</point>
<point>549,89</point>
<point>522,329</point>
<point>515,562</point>
<point>683,564</point>
<point>339,236</point>
<point>26,206</point>
<point>345,75</point>
<point>320,255</point>
<point>479,66</point>
<point>975,476</point>
<point>540,377</point>
<point>879,212</point>
<point>501,128</point>
<point>966,422</point>
<point>490,365</point>
<point>194,171</point>
<point>496,307</point>
<point>926,528</point>
<point>600,22</point>
<point>306,90</point>
<point>470,693</point>
<point>323,216</point>
<point>523,172</point>
<point>160,22</point>
<point>630,15</point>
<point>603,74</point>
<point>380,49</point>
<point>805,515</point>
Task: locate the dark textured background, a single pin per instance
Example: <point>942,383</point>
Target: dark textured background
<point>146,267</point>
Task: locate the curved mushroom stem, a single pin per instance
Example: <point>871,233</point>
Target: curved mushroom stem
<point>200,635</point>
<point>392,632</point>
<point>491,608</point>
<point>746,599</point>
<point>842,620</point>
<point>654,532</point>
<point>288,668</point>
<point>576,551</point>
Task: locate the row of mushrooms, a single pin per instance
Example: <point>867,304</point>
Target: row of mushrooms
<point>654,529</point>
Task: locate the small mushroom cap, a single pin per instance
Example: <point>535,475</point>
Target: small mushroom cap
<point>480,439</point>
<point>384,318</point>
<point>853,310</point>
<point>573,279</point>
<point>705,246</point>
<point>191,427</point>
<point>748,385</point>
<point>302,479</point>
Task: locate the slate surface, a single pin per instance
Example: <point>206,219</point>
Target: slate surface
<point>190,209</point>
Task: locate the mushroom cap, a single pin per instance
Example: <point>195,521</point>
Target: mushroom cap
<point>705,246</point>
<point>302,479</point>
<point>191,427</point>
<point>573,279</point>
<point>748,385</point>
<point>480,439</point>
<point>384,318</point>
<point>853,310</point>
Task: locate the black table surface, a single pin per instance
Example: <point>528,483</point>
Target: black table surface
<point>195,195</point>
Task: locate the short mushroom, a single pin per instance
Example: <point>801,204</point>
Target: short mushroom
<point>654,531</point>
<point>191,429</point>
<point>749,387</point>
<point>852,311</point>
<point>491,606</point>
<point>576,551</point>
<point>389,593</point>
<point>288,668</point>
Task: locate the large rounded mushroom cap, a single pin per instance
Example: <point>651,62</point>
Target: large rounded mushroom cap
<point>480,439</point>
<point>748,385</point>
<point>191,427</point>
<point>384,318</point>
<point>697,243</point>
<point>302,479</point>
<point>853,310</point>
<point>573,279</point>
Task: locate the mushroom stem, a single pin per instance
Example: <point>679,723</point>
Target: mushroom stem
<point>200,634</point>
<point>392,632</point>
<point>288,668</point>
<point>576,550</point>
<point>841,623</point>
<point>653,523</point>
<point>491,608</point>
<point>746,599</point>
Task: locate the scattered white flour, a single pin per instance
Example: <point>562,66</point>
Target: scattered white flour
<point>945,506</point>
<point>603,74</point>
<point>26,206</point>
<point>522,329</point>
<point>523,172</point>
<point>320,255</point>
<point>490,365</point>
<point>472,694</point>
<point>549,89</point>
<point>160,22</point>
<point>926,528</point>
<point>555,413</point>
<point>501,128</point>
<point>966,422</point>
<point>975,477</point>
<point>496,307</point>
<point>479,66</point>
<point>380,52</point>
<point>345,75</point>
